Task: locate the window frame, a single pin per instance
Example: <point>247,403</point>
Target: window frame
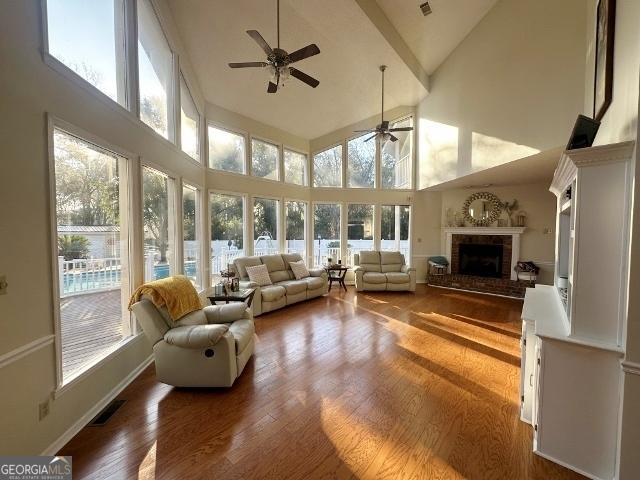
<point>376,163</point>
<point>412,155</point>
<point>312,164</point>
<point>247,225</point>
<point>279,161</point>
<point>307,168</point>
<point>279,219</point>
<point>409,204</point>
<point>342,222</point>
<point>306,227</point>
<point>183,78</point>
<point>235,131</point>
<point>131,328</point>
<point>187,184</point>
<point>375,234</point>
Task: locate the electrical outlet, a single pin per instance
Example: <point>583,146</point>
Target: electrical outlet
<point>43,409</point>
<point>3,284</point>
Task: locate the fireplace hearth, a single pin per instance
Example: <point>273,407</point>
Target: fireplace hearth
<point>480,260</point>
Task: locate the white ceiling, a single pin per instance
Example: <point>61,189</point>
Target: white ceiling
<point>434,37</point>
<point>213,33</point>
<point>538,168</point>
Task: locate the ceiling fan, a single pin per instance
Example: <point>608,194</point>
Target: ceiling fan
<point>383,132</point>
<point>279,61</point>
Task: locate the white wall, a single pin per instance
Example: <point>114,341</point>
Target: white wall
<point>513,87</point>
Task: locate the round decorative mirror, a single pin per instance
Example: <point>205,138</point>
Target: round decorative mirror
<point>482,209</point>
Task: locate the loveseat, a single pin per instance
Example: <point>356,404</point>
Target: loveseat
<point>205,348</point>
<point>285,289</point>
<point>380,271</point>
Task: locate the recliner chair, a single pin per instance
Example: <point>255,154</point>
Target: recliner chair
<point>206,348</point>
<point>380,271</point>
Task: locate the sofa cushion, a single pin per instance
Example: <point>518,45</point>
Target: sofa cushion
<point>370,261</point>
<point>314,282</point>
<point>242,263</point>
<point>242,331</point>
<point>391,261</point>
<point>273,293</point>
<point>225,313</point>
<point>397,277</point>
<point>299,270</point>
<point>294,286</point>
<point>195,336</point>
<point>194,318</point>
<point>374,277</point>
<point>277,269</point>
<point>260,275</point>
<point>291,257</point>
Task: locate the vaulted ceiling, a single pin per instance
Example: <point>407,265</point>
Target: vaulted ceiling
<point>354,36</point>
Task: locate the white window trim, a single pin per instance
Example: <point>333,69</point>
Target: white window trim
<point>279,219</point>
<point>247,223</point>
<point>376,230</point>
<point>54,123</point>
<point>312,165</point>
<point>414,160</point>
<point>376,159</point>
<point>181,78</point>
<point>307,233</point>
<point>238,132</point>
<point>185,184</point>
<point>343,222</point>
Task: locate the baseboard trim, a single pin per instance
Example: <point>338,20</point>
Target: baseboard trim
<point>631,368</point>
<point>86,418</point>
<point>27,349</point>
<point>566,465</point>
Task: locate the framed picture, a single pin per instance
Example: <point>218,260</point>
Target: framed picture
<point>603,74</point>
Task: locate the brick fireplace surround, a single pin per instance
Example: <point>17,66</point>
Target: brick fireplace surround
<point>498,286</point>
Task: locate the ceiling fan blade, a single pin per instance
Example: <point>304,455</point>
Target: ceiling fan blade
<point>371,130</point>
<point>401,129</point>
<point>260,41</point>
<point>393,138</point>
<point>304,52</point>
<point>248,64</point>
<point>303,77</point>
<point>372,136</point>
<point>272,88</point>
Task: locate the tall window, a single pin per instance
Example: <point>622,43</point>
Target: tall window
<point>326,232</point>
<point>158,212</point>
<point>265,158</point>
<point>265,226</point>
<point>361,162</point>
<point>155,72</point>
<point>397,158</point>
<point>226,150</point>
<point>395,229</point>
<point>295,217</point>
<point>88,37</point>
<point>191,234</point>
<point>327,168</point>
<point>359,229</point>
<point>189,122</point>
<point>93,258</point>
<point>295,167</point>
<point>227,230</point>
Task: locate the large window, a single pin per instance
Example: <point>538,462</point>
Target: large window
<point>295,167</point>
<point>265,226</point>
<point>295,217</point>
<point>189,122</point>
<point>397,158</point>
<point>265,158</point>
<point>155,72</point>
<point>361,162</point>
<point>226,150</point>
<point>395,229</point>
<point>91,216</point>
<point>227,230</point>
<point>88,37</point>
<point>326,232</point>
<point>327,168</point>
<point>158,212</point>
<point>359,229</point>
<point>191,234</point>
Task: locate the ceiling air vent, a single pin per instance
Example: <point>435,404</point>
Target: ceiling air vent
<point>425,8</point>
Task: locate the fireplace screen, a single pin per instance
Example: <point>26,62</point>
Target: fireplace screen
<point>480,260</point>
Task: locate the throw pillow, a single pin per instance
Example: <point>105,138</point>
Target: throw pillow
<point>260,275</point>
<point>299,269</point>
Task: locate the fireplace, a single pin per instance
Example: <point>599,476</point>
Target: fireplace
<point>480,260</point>
<point>488,256</point>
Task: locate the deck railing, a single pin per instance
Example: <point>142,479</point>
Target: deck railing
<point>88,275</point>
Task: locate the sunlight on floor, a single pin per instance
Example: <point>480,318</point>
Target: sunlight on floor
<point>147,469</point>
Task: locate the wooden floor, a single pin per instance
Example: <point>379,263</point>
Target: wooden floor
<point>381,385</point>
<point>91,325</point>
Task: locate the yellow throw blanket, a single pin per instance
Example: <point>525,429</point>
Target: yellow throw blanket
<point>175,293</point>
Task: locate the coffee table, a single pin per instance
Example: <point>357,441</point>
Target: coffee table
<point>242,295</point>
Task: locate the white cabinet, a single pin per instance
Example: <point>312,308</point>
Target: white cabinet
<point>573,339</point>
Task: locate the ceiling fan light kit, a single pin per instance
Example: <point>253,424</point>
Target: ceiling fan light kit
<point>279,60</point>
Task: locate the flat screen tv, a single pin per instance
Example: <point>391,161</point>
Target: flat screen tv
<point>584,133</point>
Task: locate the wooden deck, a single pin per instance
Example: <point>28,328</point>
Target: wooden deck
<point>91,327</point>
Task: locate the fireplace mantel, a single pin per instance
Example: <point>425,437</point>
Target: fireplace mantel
<point>513,232</point>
